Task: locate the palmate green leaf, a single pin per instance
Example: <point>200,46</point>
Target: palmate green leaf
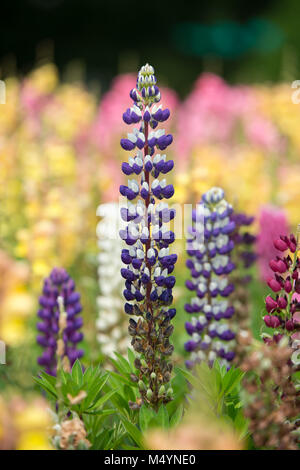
<point>188,376</point>
<point>133,432</point>
<point>47,382</point>
<point>64,376</point>
<point>131,359</point>
<point>118,440</point>
<point>231,380</point>
<point>46,386</point>
<point>241,425</point>
<point>129,393</point>
<point>162,417</point>
<point>99,403</point>
<point>88,374</point>
<point>116,378</point>
<point>145,417</point>
<point>120,404</point>
<point>100,413</point>
<point>125,364</point>
<point>94,390</point>
<point>208,386</point>
<point>123,370</point>
<point>77,374</point>
<point>102,441</point>
<point>70,387</point>
<point>181,390</point>
<point>176,417</point>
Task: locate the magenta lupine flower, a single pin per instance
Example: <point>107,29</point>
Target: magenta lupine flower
<point>210,264</point>
<point>272,223</point>
<point>59,283</point>
<point>283,307</point>
<point>149,263</point>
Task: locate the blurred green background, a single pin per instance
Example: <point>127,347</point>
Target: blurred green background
<point>241,41</point>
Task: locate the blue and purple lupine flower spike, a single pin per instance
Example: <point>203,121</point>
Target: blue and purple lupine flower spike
<point>59,283</point>
<point>148,262</point>
<point>209,249</point>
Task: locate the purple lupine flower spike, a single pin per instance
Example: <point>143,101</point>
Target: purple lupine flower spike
<point>59,283</point>
<point>148,263</point>
<point>210,264</point>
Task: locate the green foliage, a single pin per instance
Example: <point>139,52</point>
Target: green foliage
<point>216,393</point>
<point>112,424</point>
<point>91,381</point>
<point>137,422</point>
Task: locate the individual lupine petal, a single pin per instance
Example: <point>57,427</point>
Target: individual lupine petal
<point>148,163</point>
<point>274,285</point>
<point>126,117</point>
<point>127,192</point>
<point>297,286</point>
<point>168,191</point>
<point>280,245</point>
<point>290,325</point>
<point>278,266</point>
<point>145,190</point>
<point>271,321</point>
<point>165,114</point>
<point>271,304</point>
<point>133,95</point>
<point>164,141</point>
<point>287,286</point>
<point>168,166</point>
<point>127,169</point>
<point>282,302</point>
<point>292,243</point>
<point>147,115</point>
<point>126,144</point>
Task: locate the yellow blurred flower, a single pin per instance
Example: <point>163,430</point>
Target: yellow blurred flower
<point>44,79</point>
<point>16,304</point>
<point>24,425</point>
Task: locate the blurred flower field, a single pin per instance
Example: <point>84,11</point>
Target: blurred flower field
<point>60,159</point>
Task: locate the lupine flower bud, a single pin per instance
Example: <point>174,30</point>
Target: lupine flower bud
<point>141,385</point>
<point>280,245</point>
<point>271,321</point>
<point>148,262</point>
<point>59,285</point>
<point>209,248</point>
<point>274,285</point>
<point>282,302</point>
<point>271,304</point>
<point>149,394</point>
